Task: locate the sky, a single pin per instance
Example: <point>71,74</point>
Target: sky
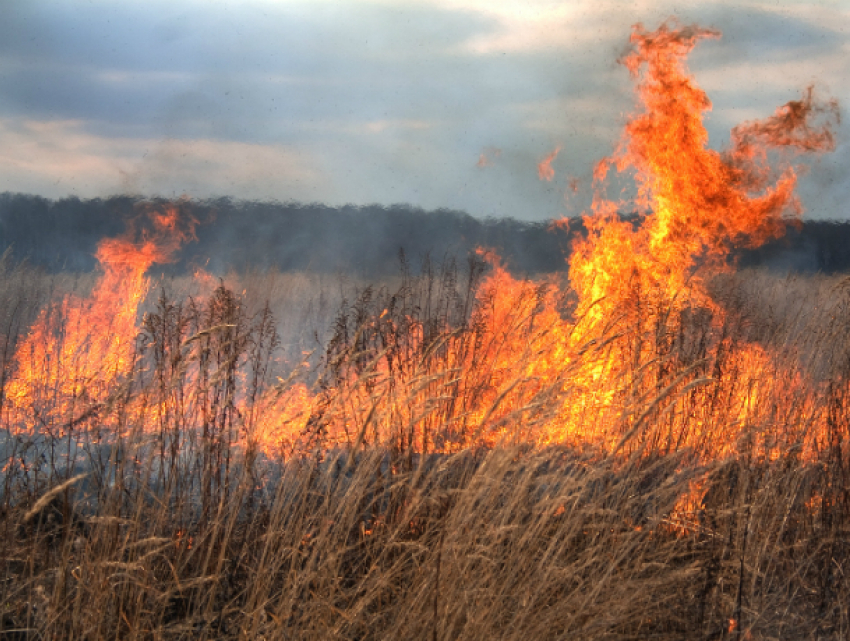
<point>434,103</point>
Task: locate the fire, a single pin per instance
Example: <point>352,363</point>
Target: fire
<point>659,411</point>
<point>633,357</point>
<point>66,368</point>
<point>620,368</point>
<point>700,203</point>
<point>646,276</point>
<point>544,167</point>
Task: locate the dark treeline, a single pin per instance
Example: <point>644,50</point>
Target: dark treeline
<point>364,240</point>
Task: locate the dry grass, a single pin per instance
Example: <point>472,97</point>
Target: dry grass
<point>175,533</point>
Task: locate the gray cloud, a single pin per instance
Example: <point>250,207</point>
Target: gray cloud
<point>358,102</point>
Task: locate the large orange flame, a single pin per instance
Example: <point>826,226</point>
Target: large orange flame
<point>634,356</point>
<point>66,368</point>
<point>622,360</point>
<point>700,202</point>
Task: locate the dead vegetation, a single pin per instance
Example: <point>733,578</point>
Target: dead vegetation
<point>112,529</point>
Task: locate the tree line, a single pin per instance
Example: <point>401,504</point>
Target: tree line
<point>367,240</point>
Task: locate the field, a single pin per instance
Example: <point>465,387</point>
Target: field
<point>650,443</point>
<point>115,527</point>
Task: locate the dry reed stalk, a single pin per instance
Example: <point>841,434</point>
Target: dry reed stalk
<point>395,540</point>
<point>51,494</point>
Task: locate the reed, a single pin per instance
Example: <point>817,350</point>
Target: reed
<point>439,516</point>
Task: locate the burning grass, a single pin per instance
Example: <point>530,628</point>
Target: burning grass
<point>182,526</point>
<point>657,449</point>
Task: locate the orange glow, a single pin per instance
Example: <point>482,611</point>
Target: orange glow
<point>544,167</point>
<point>632,357</point>
<point>66,368</point>
<point>700,202</point>
<point>488,157</point>
<point>612,368</point>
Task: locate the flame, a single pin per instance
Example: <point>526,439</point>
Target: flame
<point>66,368</point>
<point>488,157</point>
<point>544,167</point>
<point>645,275</point>
<point>632,357</point>
<point>700,202</point>
<point>611,370</point>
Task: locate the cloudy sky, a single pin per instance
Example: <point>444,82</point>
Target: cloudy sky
<point>437,103</point>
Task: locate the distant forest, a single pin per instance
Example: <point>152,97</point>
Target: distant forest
<point>364,240</point>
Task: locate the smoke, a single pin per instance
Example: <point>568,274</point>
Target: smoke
<point>358,240</point>
<point>232,234</point>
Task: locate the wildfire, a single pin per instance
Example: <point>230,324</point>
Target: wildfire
<point>637,401</point>
<point>701,203</point>
<point>633,356</point>
<point>623,360</point>
<point>66,368</point>
<point>646,276</point>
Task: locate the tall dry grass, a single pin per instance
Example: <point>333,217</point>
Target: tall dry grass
<point>115,529</point>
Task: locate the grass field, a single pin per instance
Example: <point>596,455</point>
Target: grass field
<point>647,445</point>
<point>146,509</point>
